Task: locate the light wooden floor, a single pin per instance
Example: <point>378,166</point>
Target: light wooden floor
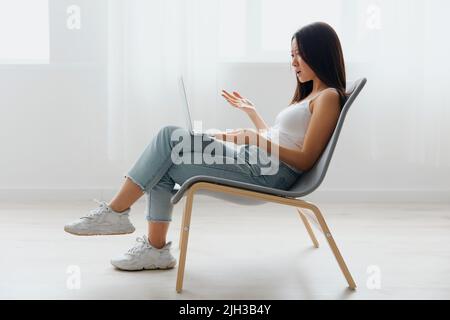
<point>235,252</point>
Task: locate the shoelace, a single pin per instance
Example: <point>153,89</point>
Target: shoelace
<point>141,244</point>
<point>97,211</point>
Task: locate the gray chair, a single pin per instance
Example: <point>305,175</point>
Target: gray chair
<point>250,194</point>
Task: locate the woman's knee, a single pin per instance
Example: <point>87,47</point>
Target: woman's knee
<point>169,130</point>
<point>173,135</point>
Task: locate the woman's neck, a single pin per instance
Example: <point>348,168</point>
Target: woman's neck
<point>318,86</point>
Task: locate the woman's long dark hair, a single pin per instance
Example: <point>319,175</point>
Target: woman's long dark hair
<point>319,46</point>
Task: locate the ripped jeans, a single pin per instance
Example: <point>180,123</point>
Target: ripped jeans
<point>156,173</point>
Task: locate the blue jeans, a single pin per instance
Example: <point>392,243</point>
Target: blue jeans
<point>156,173</point>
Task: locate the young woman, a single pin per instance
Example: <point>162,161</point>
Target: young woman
<point>303,130</point>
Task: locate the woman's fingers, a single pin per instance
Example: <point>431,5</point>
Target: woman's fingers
<point>235,136</point>
<point>225,135</point>
<point>232,97</point>
<point>242,98</point>
<point>229,99</point>
<point>231,132</point>
<point>235,132</point>
<point>234,104</point>
<point>237,95</point>
<point>228,95</point>
<point>236,99</point>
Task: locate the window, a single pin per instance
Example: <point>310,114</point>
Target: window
<point>281,19</point>
<point>260,30</point>
<point>233,29</point>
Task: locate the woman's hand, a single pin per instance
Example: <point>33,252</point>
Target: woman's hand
<point>239,102</point>
<point>239,136</point>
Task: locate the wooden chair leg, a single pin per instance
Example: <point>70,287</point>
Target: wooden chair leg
<point>181,230</point>
<point>308,228</point>
<point>184,239</point>
<point>333,246</point>
<point>271,198</point>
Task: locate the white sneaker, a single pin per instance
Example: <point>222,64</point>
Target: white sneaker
<point>101,221</point>
<point>145,257</point>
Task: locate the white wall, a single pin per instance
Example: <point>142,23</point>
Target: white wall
<point>51,125</point>
<point>72,128</point>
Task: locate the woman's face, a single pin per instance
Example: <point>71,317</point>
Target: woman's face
<point>303,71</point>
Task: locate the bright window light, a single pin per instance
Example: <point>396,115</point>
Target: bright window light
<point>233,26</point>
<point>280,19</point>
<point>24,32</point>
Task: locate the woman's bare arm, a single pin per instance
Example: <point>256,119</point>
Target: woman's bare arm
<point>321,127</point>
<point>257,120</point>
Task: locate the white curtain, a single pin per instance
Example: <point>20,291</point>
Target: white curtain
<point>397,133</point>
<point>162,40</point>
<point>111,85</point>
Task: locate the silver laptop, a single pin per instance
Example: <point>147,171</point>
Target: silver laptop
<point>187,112</point>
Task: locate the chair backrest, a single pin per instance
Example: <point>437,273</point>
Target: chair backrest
<point>311,180</point>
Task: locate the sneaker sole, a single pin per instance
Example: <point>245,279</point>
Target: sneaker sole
<point>151,267</point>
<point>97,233</point>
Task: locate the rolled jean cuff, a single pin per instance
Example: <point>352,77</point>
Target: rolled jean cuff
<point>149,219</point>
<point>135,182</point>
<point>159,207</point>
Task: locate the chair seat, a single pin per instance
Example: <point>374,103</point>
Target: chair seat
<point>226,182</point>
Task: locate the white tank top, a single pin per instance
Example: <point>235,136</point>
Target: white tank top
<point>291,125</point>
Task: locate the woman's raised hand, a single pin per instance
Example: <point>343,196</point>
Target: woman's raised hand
<point>237,101</point>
